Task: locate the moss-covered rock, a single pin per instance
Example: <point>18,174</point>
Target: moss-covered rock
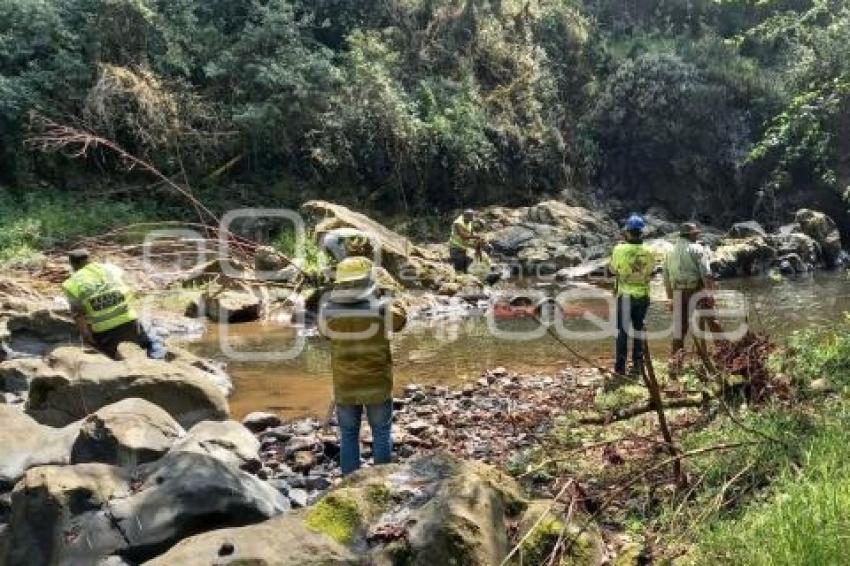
<point>434,509</point>
<point>585,546</point>
<point>336,516</point>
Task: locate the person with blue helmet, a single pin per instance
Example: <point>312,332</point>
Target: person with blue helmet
<point>632,263</point>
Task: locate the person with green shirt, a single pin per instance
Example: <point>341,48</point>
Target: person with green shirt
<point>632,264</point>
<point>101,304</point>
<point>463,240</point>
<point>687,279</point>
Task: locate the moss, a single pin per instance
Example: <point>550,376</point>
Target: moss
<point>538,546</point>
<point>335,516</point>
<point>630,555</point>
<point>620,397</point>
<point>378,494</point>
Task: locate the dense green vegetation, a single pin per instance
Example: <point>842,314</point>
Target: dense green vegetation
<point>42,220</point>
<point>428,104</point>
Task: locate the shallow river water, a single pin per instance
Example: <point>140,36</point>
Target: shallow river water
<point>452,350</point>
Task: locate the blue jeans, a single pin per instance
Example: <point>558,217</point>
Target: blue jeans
<point>380,417</point>
<point>631,316</point>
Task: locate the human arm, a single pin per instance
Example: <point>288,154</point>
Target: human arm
<point>700,256</point>
<point>80,320</point>
<point>398,315</point>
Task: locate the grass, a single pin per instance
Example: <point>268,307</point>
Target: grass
<point>806,519</point>
<point>782,505</point>
<point>35,221</point>
<point>311,255</point>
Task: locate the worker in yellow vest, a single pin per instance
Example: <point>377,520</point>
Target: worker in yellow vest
<point>632,263</point>
<point>463,240</point>
<point>358,324</point>
<point>100,302</point>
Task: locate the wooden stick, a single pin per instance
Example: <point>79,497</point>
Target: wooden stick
<point>648,373</point>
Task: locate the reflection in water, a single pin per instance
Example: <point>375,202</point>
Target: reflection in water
<point>449,351</point>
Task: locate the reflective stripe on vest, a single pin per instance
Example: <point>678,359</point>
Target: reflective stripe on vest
<point>633,264</point>
<point>104,297</point>
<point>456,240</point>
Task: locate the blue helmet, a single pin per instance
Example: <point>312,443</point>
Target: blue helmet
<point>635,223</point>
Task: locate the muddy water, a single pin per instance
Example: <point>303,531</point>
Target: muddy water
<point>450,351</point>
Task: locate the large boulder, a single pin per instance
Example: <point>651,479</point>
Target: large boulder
<point>552,235</point>
<point>574,219</point>
<point>230,306</point>
<point>127,433</point>
<point>71,383</point>
<point>31,328</point>
<point>511,239</point>
<point>412,265</point>
<point>744,256</point>
<point>431,510</point>
<point>185,493</point>
<point>749,229</point>
<point>84,513</point>
<point>280,541</point>
<point>823,230</point>
<point>227,441</point>
<point>60,515</point>
<point>790,239</point>
<point>25,444</point>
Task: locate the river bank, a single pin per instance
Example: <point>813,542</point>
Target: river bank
<point>131,436</point>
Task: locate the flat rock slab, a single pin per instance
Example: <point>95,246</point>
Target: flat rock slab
<point>24,444</point>
<point>71,384</point>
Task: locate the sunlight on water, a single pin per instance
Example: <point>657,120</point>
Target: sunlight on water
<point>453,351</point>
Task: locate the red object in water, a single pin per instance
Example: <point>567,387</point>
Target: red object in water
<point>505,310</point>
<point>502,311</point>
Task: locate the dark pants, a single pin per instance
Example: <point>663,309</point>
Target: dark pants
<point>380,417</point>
<point>134,332</point>
<point>683,312</point>
<point>631,317</point>
<point>460,259</point>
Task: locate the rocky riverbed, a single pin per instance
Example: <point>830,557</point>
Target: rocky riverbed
<point>491,420</point>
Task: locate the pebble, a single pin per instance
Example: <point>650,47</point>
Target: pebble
<point>282,433</point>
<point>259,421</point>
<point>280,485</point>
<point>298,497</point>
<point>303,461</point>
<point>418,427</point>
<point>298,443</point>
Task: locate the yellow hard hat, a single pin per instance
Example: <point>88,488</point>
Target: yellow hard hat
<point>355,280</point>
<point>353,269</point>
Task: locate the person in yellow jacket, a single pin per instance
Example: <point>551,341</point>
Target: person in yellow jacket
<point>632,263</point>
<point>359,324</point>
<point>464,240</point>
<point>101,303</point>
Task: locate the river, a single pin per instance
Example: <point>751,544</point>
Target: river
<point>453,350</point>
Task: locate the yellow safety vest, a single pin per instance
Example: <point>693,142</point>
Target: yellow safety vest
<point>633,265</point>
<point>456,240</point>
<point>362,368</point>
<point>103,296</point>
